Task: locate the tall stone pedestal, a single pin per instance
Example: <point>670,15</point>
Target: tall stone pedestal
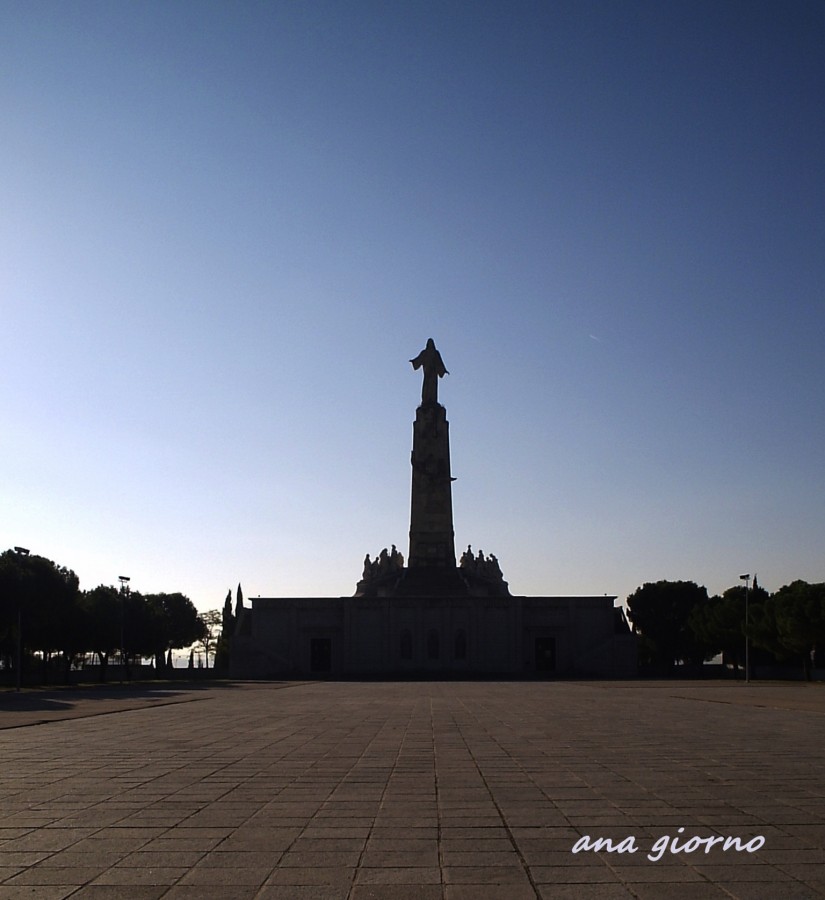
<point>431,566</point>
<point>432,539</point>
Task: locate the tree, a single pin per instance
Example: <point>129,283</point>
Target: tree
<point>719,625</point>
<point>211,631</point>
<point>659,612</point>
<point>42,597</point>
<point>143,625</point>
<point>102,615</point>
<point>227,630</point>
<point>798,611</point>
<point>10,596</point>
<point>176,624</point>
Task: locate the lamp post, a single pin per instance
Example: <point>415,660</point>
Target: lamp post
<point>18,665</point>
<point>124,590</point>
<point>747,579</point>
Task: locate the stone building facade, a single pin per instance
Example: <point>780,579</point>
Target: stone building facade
<point>370,636</point>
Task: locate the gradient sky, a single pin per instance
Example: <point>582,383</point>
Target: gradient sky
<point>225,228</point>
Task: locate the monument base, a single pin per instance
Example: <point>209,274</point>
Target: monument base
<point>433,636</point>
<point>424,581</point>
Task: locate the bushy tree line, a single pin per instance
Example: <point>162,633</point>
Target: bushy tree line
<point>42,602</point>
<point>679,623</point>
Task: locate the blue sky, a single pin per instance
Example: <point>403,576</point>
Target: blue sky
<point>226,227</point>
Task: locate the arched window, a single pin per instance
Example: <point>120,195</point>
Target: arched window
<point>460,645</point>
<point>432,644</point>
<point>406,644</point>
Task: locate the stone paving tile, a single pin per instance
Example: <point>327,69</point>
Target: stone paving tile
<point>212,892</point>
<point>42,892</point>
<point>400,875</point>
<point>485,875</point>
<point>395,892</point>
<point>120,892</point>
<point>75,875</point>
<point>135,875</point>
<point>679,874</point>
<point>221,859</point>
<point>481,845</point>
<point>318,875</point>
<point>235,876</point>
<point>393,858</point>
<point>303,892</point>
<point>695,890</point>
<point>351,791</point>
<point>757,891</point>
<point>489,892</point>
<point>581,874</point>
<point>151,859</point>
<point>599,892</point>
<point>481,858</point>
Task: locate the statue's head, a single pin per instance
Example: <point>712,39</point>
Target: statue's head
<point>430,344</point>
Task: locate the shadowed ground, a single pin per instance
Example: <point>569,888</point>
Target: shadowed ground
<point>412,790</point>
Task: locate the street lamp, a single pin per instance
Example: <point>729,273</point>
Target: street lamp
<point>747,579</point>
<point>124,590</point>
<point>18,666</point>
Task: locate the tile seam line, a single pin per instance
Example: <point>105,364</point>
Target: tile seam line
<point>358,866</point>
<point>495,803</point>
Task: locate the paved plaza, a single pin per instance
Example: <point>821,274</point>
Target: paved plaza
<point>350,791</point>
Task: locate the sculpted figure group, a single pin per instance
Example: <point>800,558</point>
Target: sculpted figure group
<point>486,567</point>
<point>391,561</point>
<point>383,564</point>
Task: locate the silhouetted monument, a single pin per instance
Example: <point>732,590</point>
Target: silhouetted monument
<point>430,360</point>
<point>432,539</point>
<point>431,567</point>
<point>432,615</point>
